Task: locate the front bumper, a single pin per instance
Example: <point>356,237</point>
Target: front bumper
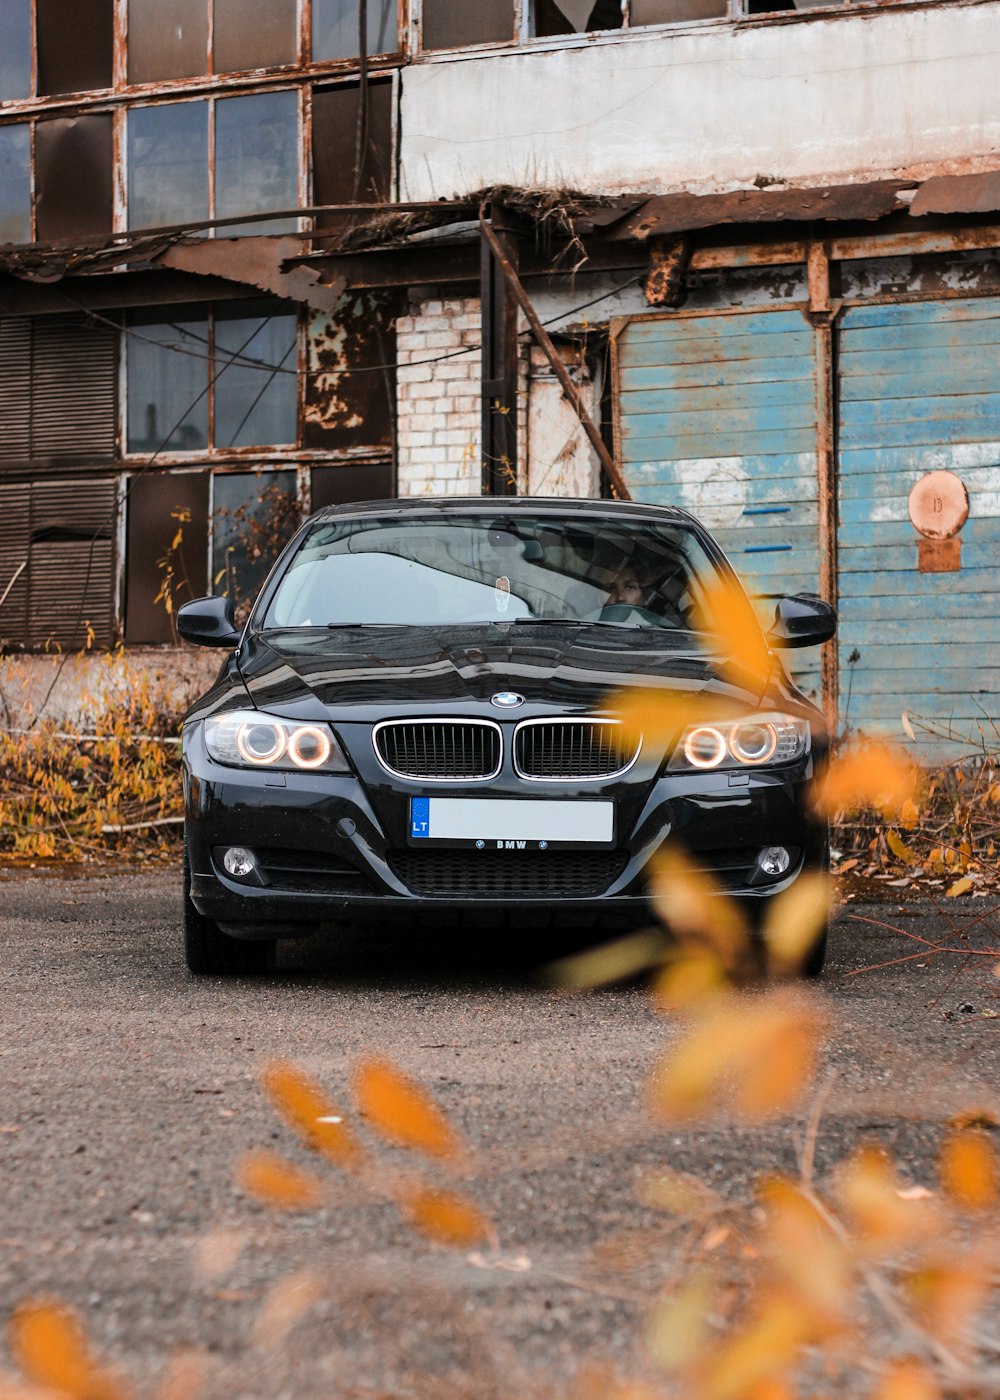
<point>333,847</point>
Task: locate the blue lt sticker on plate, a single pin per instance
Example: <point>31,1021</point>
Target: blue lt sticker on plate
<point>420,816</point>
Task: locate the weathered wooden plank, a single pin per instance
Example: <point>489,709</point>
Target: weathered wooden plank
<point>708,349</point>
<point>790,368</point>
<point>878,593</point>
<point>651,446</point>
<point>923,313</point>
<point>670,331</point>
<point>720,398</point>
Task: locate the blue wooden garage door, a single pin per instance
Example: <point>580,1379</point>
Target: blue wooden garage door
<point>919,392</point>
<point>717,413</point>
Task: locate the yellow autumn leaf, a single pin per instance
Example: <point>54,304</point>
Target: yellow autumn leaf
<point>949,1292</point>
<point>677,1330</point>
<point>610,962</point>
<point>658,717</point>
<point>960,887</point>
<point>970,1170</point>
<point>882,1219</point>
<point>285,1303</point>
<point>805,1254</point>
<point>49,1344</point>
<point>307,1109</point>
<point>899,848</point>
<point>692,905</point>
<point>867,775</point>
<point>275,1181</point>
<point>444,1217</point>
<point>727,614</point>
<point>687,978</point>
<point>794,920</point>
<point>402,1112</point>
<point>759,1057</point>
<point>907,1380</point>
<point>765,1348</point>
<point>909,814</point>
<point>677,1193</point>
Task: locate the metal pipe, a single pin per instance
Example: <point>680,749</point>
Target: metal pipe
<point>611,471</point>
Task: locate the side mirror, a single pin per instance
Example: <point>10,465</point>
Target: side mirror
<point>208,622</point>
<point>802,621</point>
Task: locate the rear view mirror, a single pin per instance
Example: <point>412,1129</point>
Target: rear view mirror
<point>208,622</point>
<point>803,620</point>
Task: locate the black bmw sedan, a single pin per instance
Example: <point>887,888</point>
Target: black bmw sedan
<point>420,714</point>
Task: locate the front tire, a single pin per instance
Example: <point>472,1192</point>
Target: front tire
<point>210,952</point>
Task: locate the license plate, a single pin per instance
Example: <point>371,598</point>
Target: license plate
<point>502,824</point>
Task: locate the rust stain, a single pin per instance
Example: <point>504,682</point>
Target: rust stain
<point>940,556</point>
<point>257,261</point>
<point>675,213</point>
<point>348,402</point>
<point>668,259</point>
<point>939,505</point>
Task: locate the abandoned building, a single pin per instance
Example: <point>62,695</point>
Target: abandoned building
<point>258,256</point>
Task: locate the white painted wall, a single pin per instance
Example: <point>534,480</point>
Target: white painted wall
<point>856,95</point>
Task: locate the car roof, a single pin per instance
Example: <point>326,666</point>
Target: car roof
<point>473,505</point>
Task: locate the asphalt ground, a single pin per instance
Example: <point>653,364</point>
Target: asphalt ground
<point>129,1090</point>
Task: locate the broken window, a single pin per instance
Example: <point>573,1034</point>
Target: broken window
<point>334,139</point>
<point>168,377</point>
<point>576,16</point>
<point>254,515</point>
<point>254,34</point>
<point>167,551</point>
<point>71,562</point>
<point>336,29</point>
<point>255,403</point>
<point>256,159</point>
<point>167,39</point>
<point>456,24</point>
<point>73,176</point>
<point>15,184</point>
<point>675,11</point>
<point>167,164</point>
<point>75,45</point>
<point>15,50</point>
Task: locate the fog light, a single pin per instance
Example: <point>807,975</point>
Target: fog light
<point>774,860</point>
<point>239,862</point>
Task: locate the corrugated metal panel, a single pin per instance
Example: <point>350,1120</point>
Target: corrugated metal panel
<point>919,392</point>
<point>74,364</point>
<point>71,570</point>
<point>14,508</point>
<point>15,382</point>
<point>718,414</point>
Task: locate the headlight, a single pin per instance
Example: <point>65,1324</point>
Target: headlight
<point>251,739</point>
<point>745,743</point>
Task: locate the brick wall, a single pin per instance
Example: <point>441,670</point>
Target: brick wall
<point>438,404</point>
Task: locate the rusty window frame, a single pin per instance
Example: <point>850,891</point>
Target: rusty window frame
<point>172,98</point>
<point>30,128</point>
<point>211,455</point>
<point>267,468</point>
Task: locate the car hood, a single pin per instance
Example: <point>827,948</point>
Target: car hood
<point>367,673</point>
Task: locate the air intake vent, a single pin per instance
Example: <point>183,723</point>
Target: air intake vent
<point>509,875</point>
<point>439,750</point>
<point>563,750</point>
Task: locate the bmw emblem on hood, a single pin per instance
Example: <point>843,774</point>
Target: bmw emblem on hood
<point>507,700</point>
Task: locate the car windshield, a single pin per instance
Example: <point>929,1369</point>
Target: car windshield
<point>426,571</point>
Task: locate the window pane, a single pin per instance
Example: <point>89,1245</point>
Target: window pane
<point>167,164</point>
<point>163,384</point>
<point>74,54</point>
<point>256,407</point>
<point>256,159</point>
<point>15,184</point>
<point>676,11</point>
<point>162,506</point>
<point>335,28</point>
<point>455,24</point>
<point>15,49</point>
<point>254,34</point>
<point>334,141</point>
<point>576,16</point>
<point>254,514</point>
<point>167,39</point>
<point>73,160</point>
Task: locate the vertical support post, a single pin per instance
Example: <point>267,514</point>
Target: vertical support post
<point>822,314</point>
<point>499,369</point>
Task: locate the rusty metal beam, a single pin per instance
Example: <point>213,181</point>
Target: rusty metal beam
<point>823,313</point>
<point>498,338</point>
<point>608,464</point>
